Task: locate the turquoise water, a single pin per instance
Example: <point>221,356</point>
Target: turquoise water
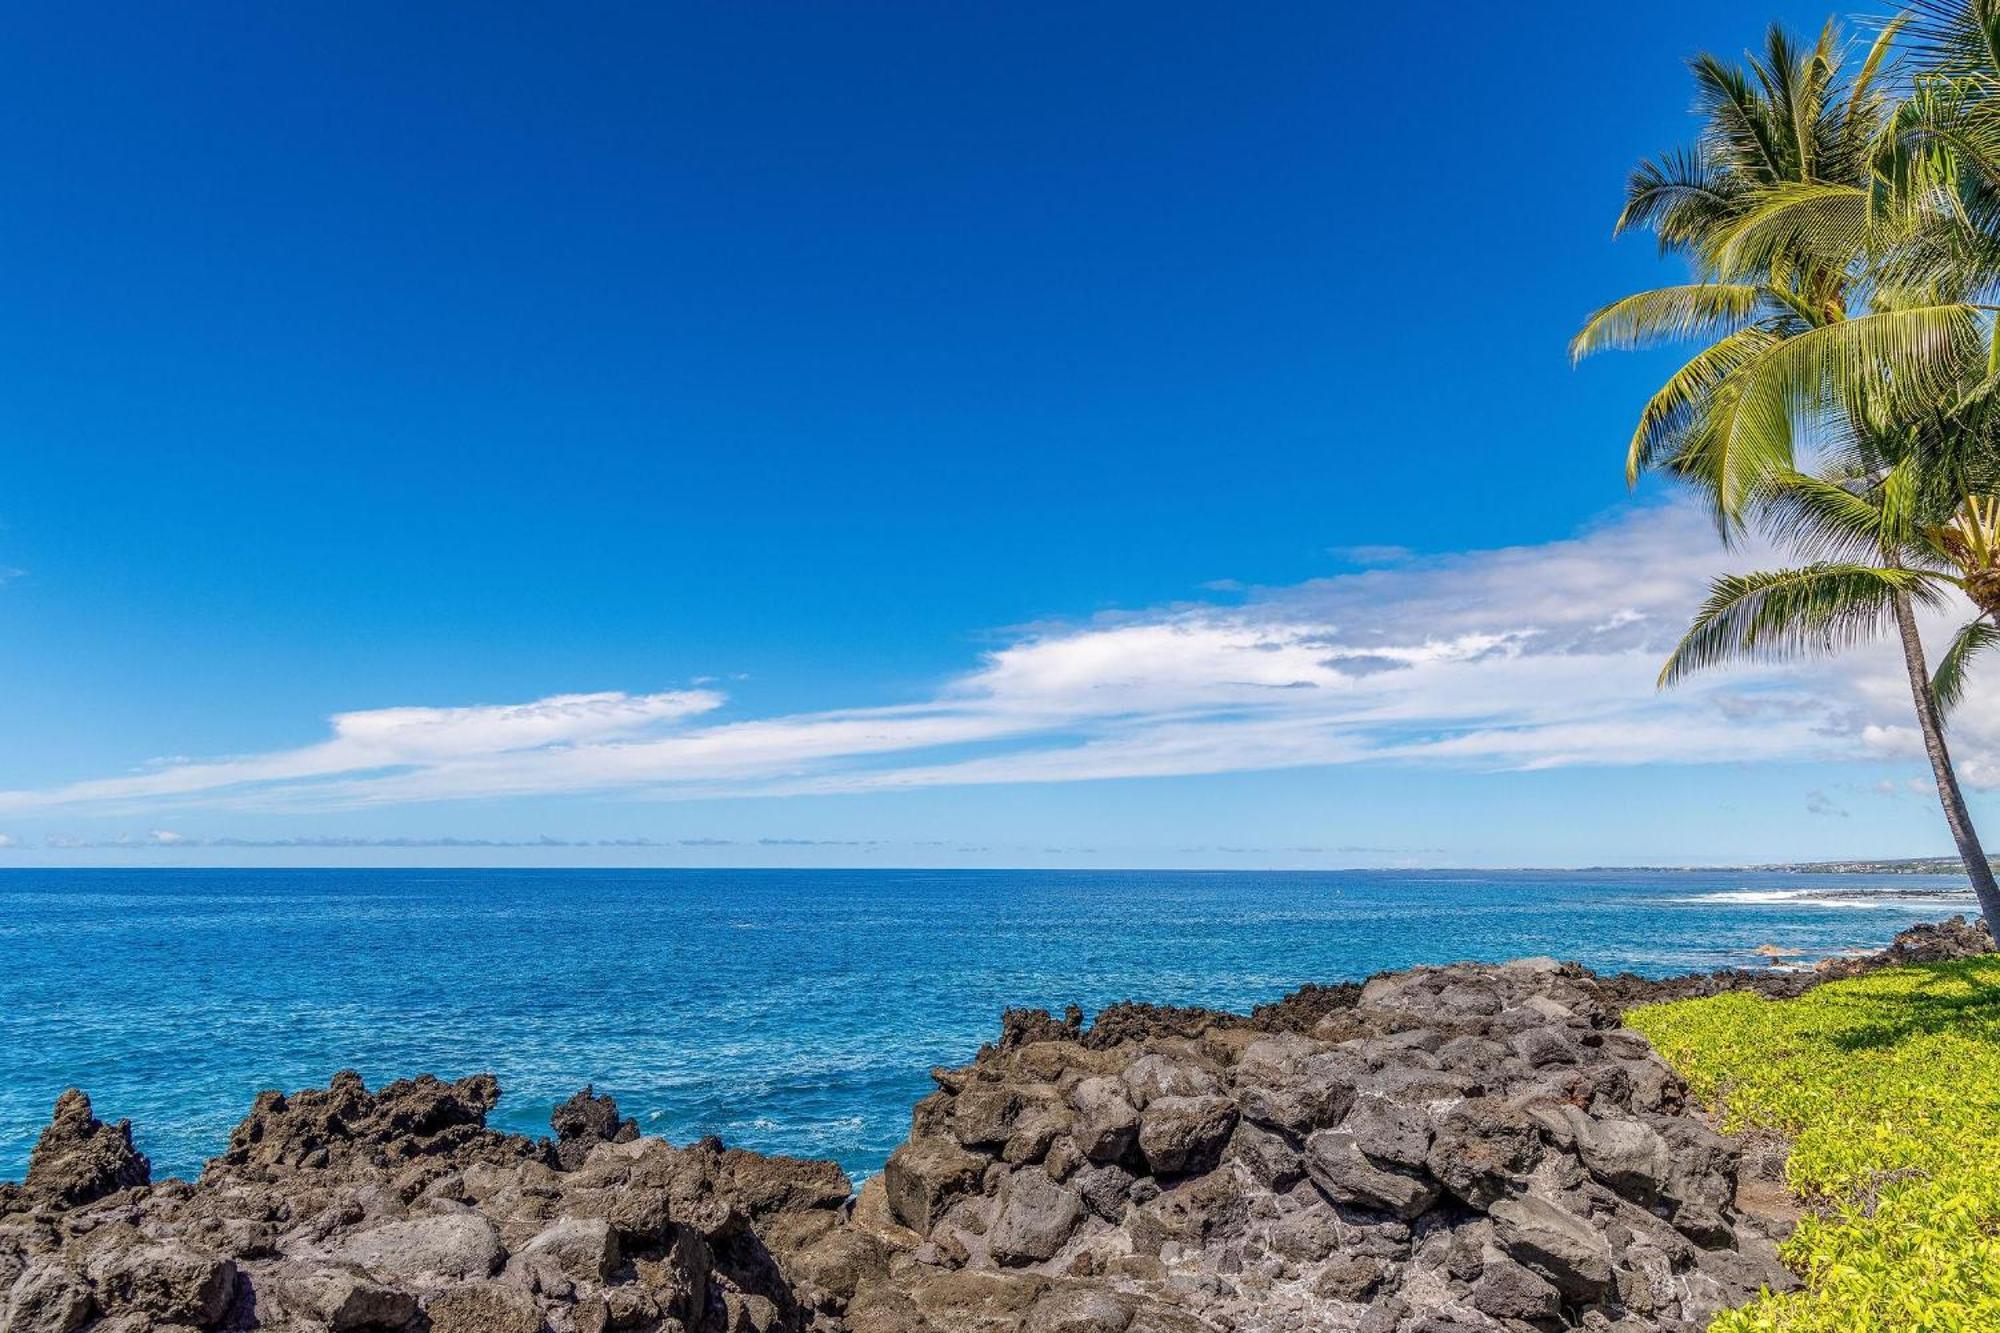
<point>788,1011</point>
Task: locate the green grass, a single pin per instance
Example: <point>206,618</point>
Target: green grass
<point>1889,1089</point>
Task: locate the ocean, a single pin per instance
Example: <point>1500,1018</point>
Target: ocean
<point>789,1011</point>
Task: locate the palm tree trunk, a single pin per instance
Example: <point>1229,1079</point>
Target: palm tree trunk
<point>1955,814</point>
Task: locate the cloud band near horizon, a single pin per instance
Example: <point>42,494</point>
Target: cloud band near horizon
<point>1517,658</point>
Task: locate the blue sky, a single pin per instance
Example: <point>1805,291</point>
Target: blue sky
<point>899,434</point>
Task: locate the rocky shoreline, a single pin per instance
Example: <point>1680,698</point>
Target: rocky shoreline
<point>1441,1150</point>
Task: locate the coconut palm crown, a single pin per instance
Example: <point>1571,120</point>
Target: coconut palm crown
<point>1829,329</point>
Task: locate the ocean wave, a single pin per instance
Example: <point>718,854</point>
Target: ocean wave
<point>1856,899</point>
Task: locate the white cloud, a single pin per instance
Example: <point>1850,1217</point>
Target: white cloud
<point>387,741</point>
<point>1521,658</point>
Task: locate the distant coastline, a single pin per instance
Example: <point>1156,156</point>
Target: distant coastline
<point>1903,865</point>
<point>1910,865</point>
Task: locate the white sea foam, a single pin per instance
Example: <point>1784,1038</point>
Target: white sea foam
<point>1851,900</point>
<point>1752,896</point>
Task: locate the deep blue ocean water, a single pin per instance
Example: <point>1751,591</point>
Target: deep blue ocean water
<point>787,1011</point>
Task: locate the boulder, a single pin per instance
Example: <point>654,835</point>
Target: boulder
<point>1266,1157</point>
<point>347,1299</point>
<point>1508,1290</point>
<point>168,1280</point>
<point>1484,1150</point>
<point>47,1298</point>
<point>1350,1278</point>
<point>1159,1075</point>
<point>1627,1155</point>
<point>925,1176</point>
<point>583,1249</point>
<point>585,1120</point>
<point>428,1251</point>
<point>1542,1046</point>
<point>1294,1085</point>
<point>1105,1189</point>
<point>1700,1185</point>
<point>1185,1135</point>
<point>483,1307</point>
<point>982,1116</point>
<point>1035,1217</point>
<point>1561,1246</point>
<point>1106,1126</point>
<point>1335,1163</point>
<point>1391,1132</point>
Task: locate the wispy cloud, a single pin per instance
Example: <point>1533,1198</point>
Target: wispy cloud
<point>1373,554</point>
<point>1519,658</point>
<point>165,840</point>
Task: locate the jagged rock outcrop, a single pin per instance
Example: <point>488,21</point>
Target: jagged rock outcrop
<point>1927,942</point>
<point>345,1209</point>
<point>345,1125</point>
<point>584,1121</point>
<point>79,1159</point>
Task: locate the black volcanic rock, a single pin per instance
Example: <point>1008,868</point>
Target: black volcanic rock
<point>1472,1147</point>
<point>346,1209</point>
<point>584,1121</point>
<point>79,1159</point>
<point>1940,942</point>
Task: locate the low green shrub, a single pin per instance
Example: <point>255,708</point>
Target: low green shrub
<point>1889,1089</point>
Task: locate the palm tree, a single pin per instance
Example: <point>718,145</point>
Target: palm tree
<point>1817,321</point>
<point>1873,558</point>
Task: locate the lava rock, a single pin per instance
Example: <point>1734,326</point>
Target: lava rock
<point>1106,1126</point>
<point>1036,1216</point>
<point>80,1159</point>
<point>585,1120</point>
<point>1564,1248</point>
<point>1452,1148</point>
<point>1337,1164</point>
<point>1185,1135</point>
<point>925,1176</point>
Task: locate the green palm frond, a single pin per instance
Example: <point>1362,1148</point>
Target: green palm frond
<point>1909,358</point>
<point>1665,314</point>
<point>1955,37</point>
<point>1739,122</point>
<point>1866,99</point>
<point>1902,358</point>
<point>1680,196</point>
<point>1813,610</point>
<point>1783,77</point>
<point>1741,438</point>
<point>1674,414</point>
<point>1821,519</point>
<point>1830,223</point>
<point>1948,683</point>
